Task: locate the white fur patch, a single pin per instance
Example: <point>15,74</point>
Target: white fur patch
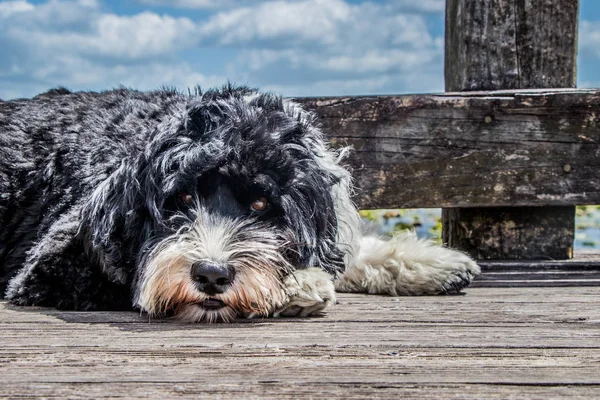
<point>253,250</point>
<point>405,265</point>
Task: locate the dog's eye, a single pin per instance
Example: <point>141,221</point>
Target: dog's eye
<point>186,198</point>
<point>259,204</point>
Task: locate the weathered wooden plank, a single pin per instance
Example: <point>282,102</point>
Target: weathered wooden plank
<point>583,270</point>
<point>546,281</point>
<point>512,44</point>
<point>505,148</point>
<point>494,343</point>
<point>583,261</point>
<point>398,313</point>
<point>380,366</point>
<point>286,390</point>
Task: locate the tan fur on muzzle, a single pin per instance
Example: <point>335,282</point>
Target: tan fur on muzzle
<point>254,253</point>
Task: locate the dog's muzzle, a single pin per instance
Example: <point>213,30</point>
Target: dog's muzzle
<point>215,270</point>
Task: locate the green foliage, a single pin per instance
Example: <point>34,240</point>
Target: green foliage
<point>371,215</point>
<point>402,226</point>
<point>587,211</point>
<point>436,230</point>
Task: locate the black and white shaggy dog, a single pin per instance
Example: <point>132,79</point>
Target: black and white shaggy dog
<point>206,207</point>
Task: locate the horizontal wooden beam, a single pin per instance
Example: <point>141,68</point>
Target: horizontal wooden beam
<point>582,270</point>
<point>469,149</point>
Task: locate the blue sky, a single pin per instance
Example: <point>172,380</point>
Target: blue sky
<point>293,47</point>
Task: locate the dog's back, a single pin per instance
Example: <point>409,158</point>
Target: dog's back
<point>25,140</point>
<point>55,148</point>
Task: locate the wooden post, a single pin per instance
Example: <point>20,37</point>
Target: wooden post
<point>510,44</point>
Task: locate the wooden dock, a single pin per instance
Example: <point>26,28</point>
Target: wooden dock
<point>490,343</point>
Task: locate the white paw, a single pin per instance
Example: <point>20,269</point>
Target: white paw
<point>405,265</point>
<point>310,291</point>
<point>461,270</point>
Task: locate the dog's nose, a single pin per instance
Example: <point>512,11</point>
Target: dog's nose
<point>211,277</point>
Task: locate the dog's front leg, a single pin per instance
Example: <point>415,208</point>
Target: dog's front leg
<point>405,265</point>
<point>42,279</point>
<point>309,292</point>
<point>58,273</point>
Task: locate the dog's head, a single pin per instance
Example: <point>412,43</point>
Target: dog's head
<point>233,192</point>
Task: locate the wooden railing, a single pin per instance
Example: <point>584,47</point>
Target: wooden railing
<point>507,156</point>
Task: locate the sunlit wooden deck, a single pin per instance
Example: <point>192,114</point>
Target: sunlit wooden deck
<point>491,342</point>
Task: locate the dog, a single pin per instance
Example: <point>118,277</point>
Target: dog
<point>203,206</point>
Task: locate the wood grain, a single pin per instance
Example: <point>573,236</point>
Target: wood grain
<point>511,44</point>
<point>469,149</point>
<point>582,270</point>
<point>492,343</point>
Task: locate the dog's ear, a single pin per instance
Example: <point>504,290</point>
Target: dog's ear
<point>310,211</point>
<point>112,222</point>
<point>323,213</point>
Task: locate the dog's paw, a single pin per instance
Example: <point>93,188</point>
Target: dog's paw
<point>309,291</point>
<point>461,270</point>
<point>21,290</point>
<point>407,266</point>
<point>21,299</point>
<point>458,280</point>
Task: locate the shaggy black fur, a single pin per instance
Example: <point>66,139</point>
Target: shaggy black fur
<point>89,182</point>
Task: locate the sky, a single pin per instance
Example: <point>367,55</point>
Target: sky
<point>292,47</point>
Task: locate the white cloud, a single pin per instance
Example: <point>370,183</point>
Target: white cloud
<point>333,23</point>
<point>588,84</point>
<point>589,38</point>
<point>294,46</point>
<point>416,82</point>
<point>588,54</point>
<point>81,74</point>
<point>313,20</point>
<point>429,6</point>
<point>190,3</point>
<point>326,22</point>
<point>179,75</point>
<point>372,61</point>
<point>141,35</point>
<point>326,87</point>
<point>325,35</point>
<point>76,44</point>
<point>13,7</point>
<point>62,27</point>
